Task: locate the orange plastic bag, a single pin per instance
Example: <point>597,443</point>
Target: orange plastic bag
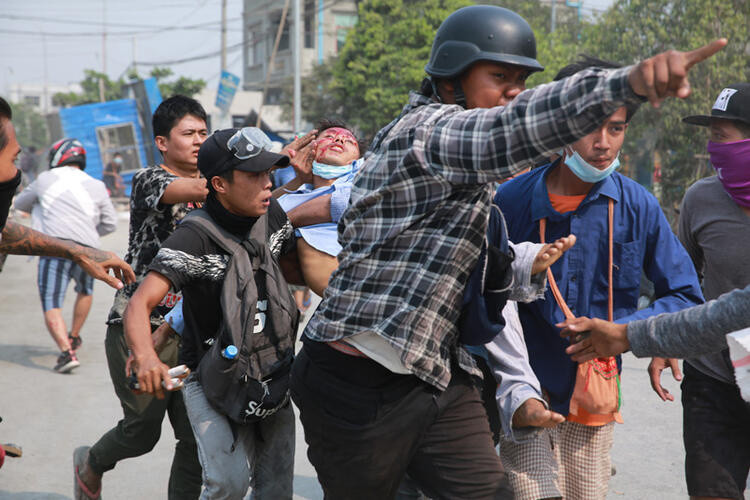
<point>597,395</point>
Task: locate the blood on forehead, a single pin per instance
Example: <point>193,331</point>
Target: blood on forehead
<point>334,133</point>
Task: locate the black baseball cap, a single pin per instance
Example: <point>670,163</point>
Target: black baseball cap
<point>733,103</point>
<point>246,151</point>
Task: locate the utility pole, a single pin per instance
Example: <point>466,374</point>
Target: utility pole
<point>552,20</point>
<point>269,67</point>
<point>104,50</point>
<point>135,67</point>
<point>224,119</point>
<point>44,89</point>
<point>297,69</point>
<point>223,35</point>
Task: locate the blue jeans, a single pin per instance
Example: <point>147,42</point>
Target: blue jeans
<point>261,455</point>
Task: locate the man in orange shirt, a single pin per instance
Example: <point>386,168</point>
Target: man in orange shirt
<point>575,195</point>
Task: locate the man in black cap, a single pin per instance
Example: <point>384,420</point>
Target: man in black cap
<point>236,165</point>
<point>714,218</point>
<point>381,382</point>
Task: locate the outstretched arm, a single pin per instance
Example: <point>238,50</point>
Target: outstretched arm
<point>20,240</point>
<point>684,334</point>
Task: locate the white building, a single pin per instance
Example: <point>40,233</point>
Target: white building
<point>244,103</point>
<point>38,95</point>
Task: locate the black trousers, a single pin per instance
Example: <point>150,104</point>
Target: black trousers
<point>366,427</point>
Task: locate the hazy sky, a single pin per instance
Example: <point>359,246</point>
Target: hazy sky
<point>161,31</point>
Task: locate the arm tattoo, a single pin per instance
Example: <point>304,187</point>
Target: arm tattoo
<point>20,240</point>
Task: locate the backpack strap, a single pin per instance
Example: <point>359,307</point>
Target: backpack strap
<point>232,244</point>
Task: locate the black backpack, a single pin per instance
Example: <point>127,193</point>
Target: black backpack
<point>255,384</point>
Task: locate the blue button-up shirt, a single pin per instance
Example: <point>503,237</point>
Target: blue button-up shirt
<point>643,240</point>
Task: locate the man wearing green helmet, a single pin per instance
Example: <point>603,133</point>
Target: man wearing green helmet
<point>382,381</point>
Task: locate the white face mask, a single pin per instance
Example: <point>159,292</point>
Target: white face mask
<point>584,170</point>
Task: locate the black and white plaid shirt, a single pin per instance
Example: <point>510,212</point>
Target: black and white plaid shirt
<point>419,209</point>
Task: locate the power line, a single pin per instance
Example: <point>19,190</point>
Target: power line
<point>208,26</point>
<point>96,23</point>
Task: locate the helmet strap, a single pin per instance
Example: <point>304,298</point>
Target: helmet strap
<point>435,92</point>
<point>458,93</point>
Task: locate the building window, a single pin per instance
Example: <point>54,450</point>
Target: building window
<point>32,100</point>
<point>257,44</point>
<point>310,13</point>
<point>119,138</point>
<point>275,21</point>
<point>343,23</point>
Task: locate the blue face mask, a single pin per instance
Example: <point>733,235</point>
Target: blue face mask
<point>330,171</point>
<point>587,172</point>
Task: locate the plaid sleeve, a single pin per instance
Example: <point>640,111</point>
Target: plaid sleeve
<point>484,145</point>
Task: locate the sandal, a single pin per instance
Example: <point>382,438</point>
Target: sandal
<point>80,490</point>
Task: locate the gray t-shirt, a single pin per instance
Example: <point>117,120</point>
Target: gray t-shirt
<point>712,228</point>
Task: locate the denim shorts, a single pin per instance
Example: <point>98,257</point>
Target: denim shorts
<point>53,278</point>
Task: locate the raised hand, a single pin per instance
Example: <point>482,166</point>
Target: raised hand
<point>549,254</point>
<point>302,162</point>
<point>298,143</point>
<point>665,74</point>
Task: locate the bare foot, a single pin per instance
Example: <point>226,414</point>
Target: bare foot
<point>532,413</point>
<point>549,254</point>
<point>91,479</point>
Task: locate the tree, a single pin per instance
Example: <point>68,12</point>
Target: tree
<point>90,90</point>
<point>182,85</point>
<point>31,128</point>
<point>384,58</point>
<point>631,30</point>
<point>319,100</point>
<point>385,54</point>
<point>113,88</point>
<point>554,50</point>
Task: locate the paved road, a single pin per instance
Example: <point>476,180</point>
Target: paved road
<point>51,414</point>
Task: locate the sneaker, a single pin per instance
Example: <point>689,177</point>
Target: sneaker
<point>66,362</point>
<point>75,342</point>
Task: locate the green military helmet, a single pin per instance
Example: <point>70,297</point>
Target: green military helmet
<point>481,33</point>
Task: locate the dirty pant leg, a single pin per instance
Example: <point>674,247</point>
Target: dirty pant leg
<point>234,457</point>
<point>140,428</point>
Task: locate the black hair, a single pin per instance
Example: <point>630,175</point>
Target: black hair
<point>326,123</point>
<point>227,175</point>
<point>172,110</point>
<point>585,62</point>
<point>7,113</point>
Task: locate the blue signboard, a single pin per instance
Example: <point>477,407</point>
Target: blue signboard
<point>227,88</point>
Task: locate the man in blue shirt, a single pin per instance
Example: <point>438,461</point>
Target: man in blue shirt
<point>317,196</point>
<point>572,195</point>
